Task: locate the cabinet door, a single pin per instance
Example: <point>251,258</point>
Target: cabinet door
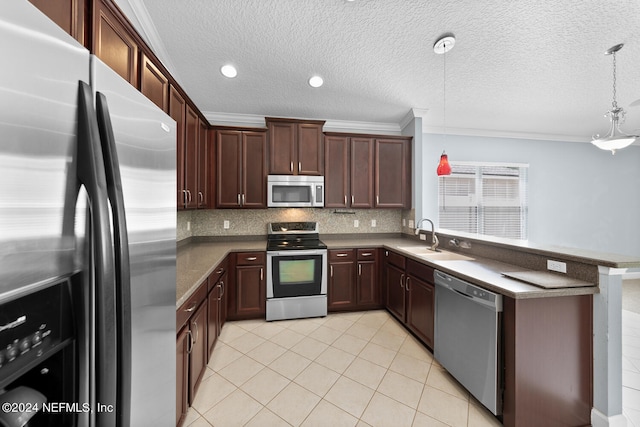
<point>392,173</point>
<point>153,84</point>
<point>362,165</point>
<point>177,111</point>
<point>203,160</point>
<point>395,291</point>
<point>341,292</point>
<point>213,318</point>
<point>367,290</point>
<point>114,44</point>
<point>251,296</point>
<point>282,139</point>
<point>254,171</point>
<point>68,14</point>
<point>198,355</point>
<point>182,374</point>
<point>191,158</point>
<point>420,309</point>
<point>336,172</point>
<point>310,149</point>
<point>228,169</point>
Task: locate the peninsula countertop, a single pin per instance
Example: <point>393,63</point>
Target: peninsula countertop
<point>197,260</point>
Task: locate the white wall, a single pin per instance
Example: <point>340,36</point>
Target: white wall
<point>579,195</point>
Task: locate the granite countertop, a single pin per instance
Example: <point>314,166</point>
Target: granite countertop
<point>196,261</point>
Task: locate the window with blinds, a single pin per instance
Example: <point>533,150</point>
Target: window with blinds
<point>485,198</point>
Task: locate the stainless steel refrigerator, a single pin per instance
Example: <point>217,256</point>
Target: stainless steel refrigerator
<point>87,211</point>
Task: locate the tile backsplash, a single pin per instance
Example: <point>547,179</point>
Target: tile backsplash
<point>252,222</point>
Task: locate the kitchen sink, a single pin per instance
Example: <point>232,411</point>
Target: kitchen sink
<point>427,253</point>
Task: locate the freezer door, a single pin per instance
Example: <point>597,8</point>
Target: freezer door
<point>145,144</point>
<point>38,116</point>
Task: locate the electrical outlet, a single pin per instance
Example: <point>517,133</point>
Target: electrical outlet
<point>226,224</point>
<point>188,225</point>
<point>356,223</point>
<point>411,223</point>
<point>423,236</point>
<point>404,222</point>
<point>560,267</point>
<point>373,223</point>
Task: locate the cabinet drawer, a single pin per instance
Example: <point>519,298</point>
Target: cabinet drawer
<point>189,307</point>
<point>367,254</point>
<point>342,255</point>
<point>395,259</point>
<point>420,271</point>
<point>250,258</point>
<point>218,272</point>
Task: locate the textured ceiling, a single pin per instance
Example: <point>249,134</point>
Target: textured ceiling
<point>528,68</point>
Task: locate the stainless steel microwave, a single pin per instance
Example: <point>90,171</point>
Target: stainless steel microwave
<point>295,191</point>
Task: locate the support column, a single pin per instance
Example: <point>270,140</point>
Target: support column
<point>607,350</point>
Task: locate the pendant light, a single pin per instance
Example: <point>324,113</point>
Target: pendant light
<point>443,45</point>
<point>615,138</point>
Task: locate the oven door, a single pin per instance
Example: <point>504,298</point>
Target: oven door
<point>296,273</point>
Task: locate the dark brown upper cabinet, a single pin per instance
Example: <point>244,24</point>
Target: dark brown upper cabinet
<point>178,112</point>
<point>295,147</point>
<point>114,43</point>
<point>68,14</point>
<point>153,83</point>
<point>393,173</point>
<point>349,165</point>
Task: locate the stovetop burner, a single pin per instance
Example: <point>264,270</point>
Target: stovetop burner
<point>293,236</point>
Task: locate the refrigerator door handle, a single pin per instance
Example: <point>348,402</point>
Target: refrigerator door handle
<point>91,173</point>
<point>122,262</point>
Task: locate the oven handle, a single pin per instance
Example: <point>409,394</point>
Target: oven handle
<point>297,253</point>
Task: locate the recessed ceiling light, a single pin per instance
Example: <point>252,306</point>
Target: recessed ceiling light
<point>315,81</point>
<point>229,71</point>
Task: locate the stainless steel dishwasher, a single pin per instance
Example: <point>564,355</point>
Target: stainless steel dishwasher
<point>467,337</point>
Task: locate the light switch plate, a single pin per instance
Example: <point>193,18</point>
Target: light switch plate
<point>410,223</point>
<point>226,224</point>
<point>356,223</point>
<point>374,223</point>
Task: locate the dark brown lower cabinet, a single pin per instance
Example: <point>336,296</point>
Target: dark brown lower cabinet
<point>353,279</point>
<point>199,351</point>
<point>182,374</point>
<point>216,304</point>
<point>247,297</point>
<point>410,294</point>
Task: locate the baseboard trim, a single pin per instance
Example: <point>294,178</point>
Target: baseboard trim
<point>598,419</point>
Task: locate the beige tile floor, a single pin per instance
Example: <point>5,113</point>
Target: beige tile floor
<point>351,369</point>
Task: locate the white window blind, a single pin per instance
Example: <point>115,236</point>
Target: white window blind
<point>485,198</point>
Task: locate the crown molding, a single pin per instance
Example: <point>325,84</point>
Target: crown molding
<point>503,134</point>
<point>149,32</point>
<point>253,120</point>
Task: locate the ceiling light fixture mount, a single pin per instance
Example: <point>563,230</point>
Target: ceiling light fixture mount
<point>443,45</point>
<point>615,139</point>
<point>316,81</point>
<point>229,71</point>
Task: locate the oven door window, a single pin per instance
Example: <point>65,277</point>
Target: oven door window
<point>295,276</point>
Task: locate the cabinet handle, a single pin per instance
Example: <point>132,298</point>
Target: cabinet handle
<point>377,200</point>
<point>367,254</point>
<point>402,280</point>
<point>220,271</point>
<point>189,196</point>
<point>353,199</point>
<point>193,307</point>
<point>221,290</point>
<point>238,199</point>
<point>331,268</point>
<point>291,167</point>
<point>386,253</point>
<point>251,258</point>
<point>408,281</point>
<point>197,333</point>
<point>190,343</point>
<point>345,199</point>
<point>242,199</point>
<point>261,275</point>
<point>359,269</point>
<point>201,197</point>
<point>184,197</point>
<point>342,254</point>
<point>299,166</point>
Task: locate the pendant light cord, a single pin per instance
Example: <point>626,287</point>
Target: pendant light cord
<point>444,93</point>
<point>614,103</point>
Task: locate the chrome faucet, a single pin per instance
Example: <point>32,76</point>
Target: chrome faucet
<point>434,239</point>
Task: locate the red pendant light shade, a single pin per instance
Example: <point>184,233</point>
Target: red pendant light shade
<point>444,168</point>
